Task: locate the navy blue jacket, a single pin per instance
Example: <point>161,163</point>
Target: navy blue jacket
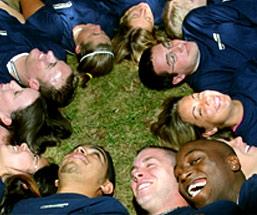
<point>15,38</point>
<point>226,36</point>
<point>244,89</point>
<point>69,203</point>
<point>58,17</point>
<point>222,207</point>
<point>248,196</point>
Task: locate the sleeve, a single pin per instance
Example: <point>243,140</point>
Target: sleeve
<point>47,22</point>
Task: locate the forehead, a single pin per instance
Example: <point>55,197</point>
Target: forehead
<point>159,58</point>
<point>151,153</point>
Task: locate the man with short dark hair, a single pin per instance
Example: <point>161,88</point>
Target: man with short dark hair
<point>218,39</point>
<point>85,186</point>
<point>33,61</point>
<point>208,171</point>
<point>155,187</point>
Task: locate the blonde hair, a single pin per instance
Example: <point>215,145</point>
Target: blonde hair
<point>173,17</point>
<point>129,44</point>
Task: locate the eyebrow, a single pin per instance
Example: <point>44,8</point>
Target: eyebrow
<point>143,161</point>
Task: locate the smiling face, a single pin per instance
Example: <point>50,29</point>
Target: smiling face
<point>202,172</point>
<point>45,67</point>
<point>175,57</point>
<point>152,179</point>
<point>13,98</point>
<point>139,16</point>
<point>206,109</point>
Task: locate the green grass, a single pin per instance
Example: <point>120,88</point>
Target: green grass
<point>114,111</point>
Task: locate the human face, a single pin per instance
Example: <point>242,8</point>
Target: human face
<point>152,179</point>
<point>13,98</point>
<point>86,163</point>
<point>175,57</point>
<point>206,109</point>
<point>91,33</point>
<point>202,173</point>
<point>247,155</point>
<point>45,67</point>
<point>19,159</point>
<point>140,16</point>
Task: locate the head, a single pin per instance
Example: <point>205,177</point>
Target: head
<point>139,16</point>
<point>136,32</point>
<point>15,98</point>
<point>90,167</point>
<point>247,155</point>
<point>52,77</point>
<point>208,109</point>
<point>168,63</point>
<point>175,12</point>
<point>208,171</point>
<point>94,52</point>
<point>152,180</point>
<point>19,159</point>
<point>170,127</point>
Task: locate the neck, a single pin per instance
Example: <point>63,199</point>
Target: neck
<point>168,205</point>
<point>21,73</point>
<point>76,31</point>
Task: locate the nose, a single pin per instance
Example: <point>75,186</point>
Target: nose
<point>184,175</point>
<point>50,57</point>
<point>98,28</point>
<point>24,147</point>
<point>80,149</point>
<point>137,175</point>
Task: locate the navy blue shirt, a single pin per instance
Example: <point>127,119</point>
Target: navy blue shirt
<point>222,207</point>
<point>248,196</point>
<point>15,38</point>
<point>226,36</point>
<point>69,203</point>
<point>244,89</point>
<point>58,17</point>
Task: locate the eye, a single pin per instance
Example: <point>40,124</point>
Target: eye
<point>150,165</point>
<point>195,161</point>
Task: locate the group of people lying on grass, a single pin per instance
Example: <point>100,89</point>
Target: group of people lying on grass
<point>211,47</point>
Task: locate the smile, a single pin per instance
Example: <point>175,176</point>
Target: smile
<point>196,187</point>
<point>143,186</point>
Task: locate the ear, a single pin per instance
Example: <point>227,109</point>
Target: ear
<point>178,78</point>
<point>209,132</point>
<point>34,83</point>
<point>77,49</point>
<point>7,120</point>
<point>56,183</point>
<point>234,163</point>
<point>107,187</point>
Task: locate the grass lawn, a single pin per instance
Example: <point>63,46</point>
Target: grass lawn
<point>114,111</point>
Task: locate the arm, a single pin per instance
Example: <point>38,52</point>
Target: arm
<point>29,7</point>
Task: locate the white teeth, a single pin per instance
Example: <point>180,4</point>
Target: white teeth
<point>195,188</point>
<point>142,186</point>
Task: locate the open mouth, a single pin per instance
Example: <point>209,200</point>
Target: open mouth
<point>143,186</point>
<point>196,187</point>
